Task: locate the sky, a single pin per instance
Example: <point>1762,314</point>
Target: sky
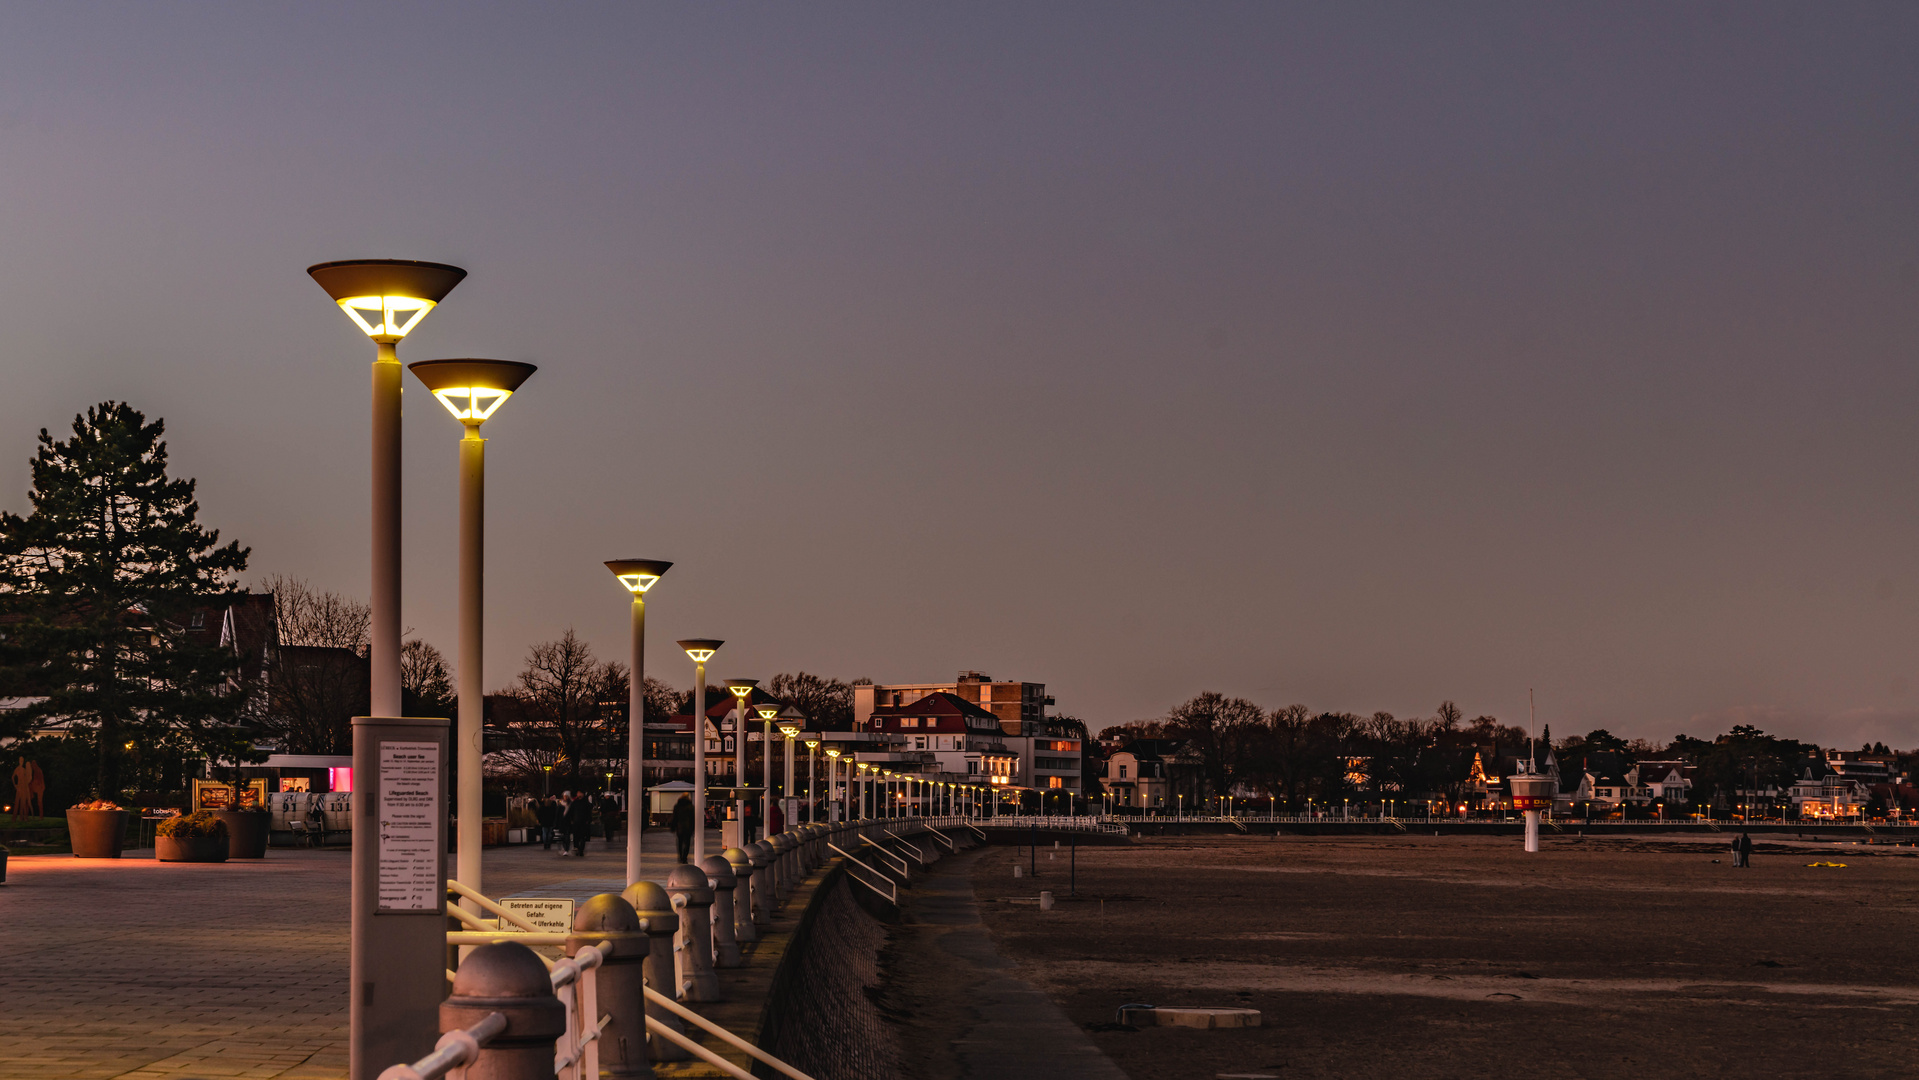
<point>1363,355</point>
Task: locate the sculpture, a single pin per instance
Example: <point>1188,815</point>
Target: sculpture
<point>29,790</point>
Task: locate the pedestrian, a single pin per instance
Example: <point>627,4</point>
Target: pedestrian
<point>609,817</point>
<point>1745,850</point>
<point>563,823</point>
<point>545,813</point>
<point>683,826</point>
<point>579,822</point>
<point>776,823</point>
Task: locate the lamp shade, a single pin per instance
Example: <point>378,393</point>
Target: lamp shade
<point>767,712</point>
<point>740,688</point>
<point>397,293</point>
<point>472,389</point>
<point>638,575</point>
<point>701,649</point>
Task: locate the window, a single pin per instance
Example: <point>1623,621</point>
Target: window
<point>199,620</point>
<point>1122,772</point>
<point>911,721</point>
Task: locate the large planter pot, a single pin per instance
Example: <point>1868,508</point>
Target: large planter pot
<point>97,834</point>
<point>190,848</point>
<point>246,833</point>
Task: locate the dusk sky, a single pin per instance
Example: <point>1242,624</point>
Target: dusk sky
<point>1358,355</point>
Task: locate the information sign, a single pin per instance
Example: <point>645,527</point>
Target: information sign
<point>547,916</point>
<point>409,820</point>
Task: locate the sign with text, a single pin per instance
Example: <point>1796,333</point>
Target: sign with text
<point>409,821</point>
<point>547,916</point>
<point>213,795</point>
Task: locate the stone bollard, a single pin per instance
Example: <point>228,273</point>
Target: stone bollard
<point>661,923</point>
<point>721,879</point>
<point>621,989</point>
<point>762,857</point>
<point>694,902</point>
<point>1045,900</point>
<point>507,978</point>
<point>742,863</point>
<point>782,864</point>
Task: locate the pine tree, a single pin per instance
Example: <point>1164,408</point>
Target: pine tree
<point>96,586</point>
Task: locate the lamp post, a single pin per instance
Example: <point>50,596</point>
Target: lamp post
<point>399,293</point>
<point>812,779</point>
<point>637,575</point>
<point>700,650</point>
<point>742,691</point>
<point>472,390</point>
<point>790,730</point>
<point>835,796</point>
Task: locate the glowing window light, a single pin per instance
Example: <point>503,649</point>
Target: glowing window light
<point>387,310</point>
<point>472,403</point>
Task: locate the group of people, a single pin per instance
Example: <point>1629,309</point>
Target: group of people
<point>569,819</point>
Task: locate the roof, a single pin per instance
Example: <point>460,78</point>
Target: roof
<point>1152,749</point>
<point>939,704</point>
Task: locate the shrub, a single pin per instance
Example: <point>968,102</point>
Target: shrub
<point>97,804</point>
<point>188,826</point>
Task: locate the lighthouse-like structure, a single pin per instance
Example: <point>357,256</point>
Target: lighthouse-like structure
<point>1533,790</point>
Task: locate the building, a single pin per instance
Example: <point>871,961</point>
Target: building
<point>948,733</point>
<point>1147,774</point>
<point>1013,703</point>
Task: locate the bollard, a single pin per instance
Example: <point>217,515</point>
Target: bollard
<point>661,923</point>
<point>762,857</point>
<point>782,864</point>
<point>621,987</point>
<point>694,901</point>
<point>507,978</point>
<point>1045,900</point>
<point>720,878</point>
<point>742,863</point>
<point>1018,870</point>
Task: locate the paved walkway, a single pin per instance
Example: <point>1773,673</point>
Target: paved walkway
<point>162,971</point>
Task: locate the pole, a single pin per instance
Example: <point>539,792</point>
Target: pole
<point>812,782</point>
<point>699,760</point>
<point>766,775</point>
<point>636,742</point>
<point>384,628</point>
<point>739,765</point>
<point>786,792</point>
<point>471,748</point>
<point>1532,830</point>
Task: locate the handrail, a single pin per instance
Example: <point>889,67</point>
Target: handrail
<point>488,905</point>
<point>903,840</point>
<point>892,893</point>
<point>455,1049</point>
<point>950,845</point>
<point>465,916</point>
<point>875,845</point>
<point>685,1013</point>
<point>493,937</point>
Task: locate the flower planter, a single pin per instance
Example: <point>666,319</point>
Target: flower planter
<point>97,834</point>
<point>190,848</point>
<point>246,833</point>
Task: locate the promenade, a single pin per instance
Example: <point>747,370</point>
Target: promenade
<point>136,970</point>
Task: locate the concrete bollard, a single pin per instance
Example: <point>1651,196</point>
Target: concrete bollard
<point>762,857</point>
<point>1045,900</point>
<point>661,923</point>
<point>721,879</point>
<point>507,978</point>
<point>621,986</point>
<point>742,863</point>
<point>782,864</point>
<point>694,902</point>
<point>1018,870</point>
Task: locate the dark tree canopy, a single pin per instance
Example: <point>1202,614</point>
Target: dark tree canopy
<point>97,585</point>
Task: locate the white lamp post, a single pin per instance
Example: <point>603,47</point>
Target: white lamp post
<point>812,779</point>
<point>700,650</point>
<point>742,691</point>
<point>637,575</point>
<point>397,294</point>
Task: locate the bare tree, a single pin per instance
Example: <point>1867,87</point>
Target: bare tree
<point>827,703</point>
<point>309,617</point>
<point>317,678</point>
<point>564,697</point>
<point>426,687</point>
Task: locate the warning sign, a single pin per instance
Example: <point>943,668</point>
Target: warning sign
<point>547,916</point>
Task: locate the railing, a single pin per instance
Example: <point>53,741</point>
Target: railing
<point>456,1049</point>
<point>892,891</point>
<point>1066,824</point>
<point>577,1057</point>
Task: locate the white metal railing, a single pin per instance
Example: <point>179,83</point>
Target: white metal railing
<point>456,1049</point>
<point>1073,824</point>
<point>892,890</point>
<point>577,1055</point>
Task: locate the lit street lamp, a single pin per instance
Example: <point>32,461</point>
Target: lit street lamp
<point>742,691</point>
<point>637,575</point>
<point>472,390</point>
<point>787,802</point>
<point>700,650</point>
<point>398,293</point>
<point>833,790</point>
<point>812,779</point>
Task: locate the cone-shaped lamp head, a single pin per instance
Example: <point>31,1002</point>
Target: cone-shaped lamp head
<point>701,649</point>
<point>740,688</point>
<point>472,389</point>
<point>638,575</point>
<point>397,293</point>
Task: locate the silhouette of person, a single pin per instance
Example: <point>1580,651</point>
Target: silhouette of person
<point>22,788</point>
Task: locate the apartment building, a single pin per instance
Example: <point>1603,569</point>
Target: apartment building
<point>1049,752</point>
<point>1012,703</point>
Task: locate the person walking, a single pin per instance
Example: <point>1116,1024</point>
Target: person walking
<point>545,812</point>
<point>683,826</point>
<point>1744,844</point>
<point>579,822</point>
<point>563,822</point>
<point>610,819</point>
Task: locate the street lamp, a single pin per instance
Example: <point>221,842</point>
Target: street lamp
<point>472,390</point>
<point>791,730</point>
<point>637,575</point>
<point>742,691</point>
<point>767,713</point>
<point>832,783</point>
<point>812,779</point>
<point>399,293</point>
<point>700,650</point>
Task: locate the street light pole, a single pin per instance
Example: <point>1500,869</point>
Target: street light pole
<point>812,779</point>
<point>398,293</point>
<point>742,691</point>
<point>700,650</point>
<point>637,575</point>
<point>472,390</point>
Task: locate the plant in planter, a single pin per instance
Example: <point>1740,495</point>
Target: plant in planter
<point>197,837</point>
<point>97,829</point>
<point>247,830</point>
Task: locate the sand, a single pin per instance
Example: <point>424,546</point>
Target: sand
<point>1413,956</point>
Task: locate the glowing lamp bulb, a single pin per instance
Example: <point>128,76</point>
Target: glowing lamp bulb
<point>638,575</point>
<point>700,650</point>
